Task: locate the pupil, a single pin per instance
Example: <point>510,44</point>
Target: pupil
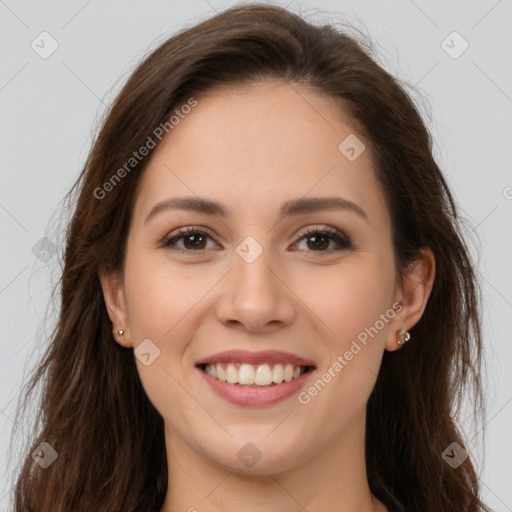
<point>196,238</point>
<point>317,237</point>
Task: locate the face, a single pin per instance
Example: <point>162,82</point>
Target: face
<point>316,283</point>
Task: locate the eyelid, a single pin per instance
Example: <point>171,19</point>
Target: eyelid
<point>182,232</point>
<point>336,235</point>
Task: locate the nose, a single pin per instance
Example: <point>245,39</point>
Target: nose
<point>256,296</point>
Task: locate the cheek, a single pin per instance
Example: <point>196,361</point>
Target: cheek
<point>358,300</point>
<point>158,303</point>
<point>352,299</point>
<point>158,296</point>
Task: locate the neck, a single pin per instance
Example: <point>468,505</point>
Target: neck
<point>334,479</point>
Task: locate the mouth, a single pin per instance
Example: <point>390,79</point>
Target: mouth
<point>255,379</point>
<point>255,375</point>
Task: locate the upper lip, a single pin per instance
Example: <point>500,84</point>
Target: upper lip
<point>244,356</point>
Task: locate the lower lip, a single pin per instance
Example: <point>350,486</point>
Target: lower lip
<point>255,396</point>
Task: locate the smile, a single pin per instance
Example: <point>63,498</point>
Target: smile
<point>244,374</point>
<point>255,379</point>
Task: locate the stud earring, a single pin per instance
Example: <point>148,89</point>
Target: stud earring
<point>404,336</point>
<point>120,332</point>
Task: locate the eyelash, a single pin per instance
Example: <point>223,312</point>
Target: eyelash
<point>333,234</point>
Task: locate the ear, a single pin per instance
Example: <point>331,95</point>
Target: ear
<point>115,302</point>
<point>413,294</point>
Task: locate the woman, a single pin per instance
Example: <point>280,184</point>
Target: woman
<point>266,301</point>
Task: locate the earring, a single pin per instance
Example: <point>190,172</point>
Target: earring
<point>404,336</point>
<point>120,332</point>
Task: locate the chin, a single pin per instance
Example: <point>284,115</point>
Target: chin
<point>256,456</point>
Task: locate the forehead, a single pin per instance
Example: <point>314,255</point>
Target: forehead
<point>259,145</point>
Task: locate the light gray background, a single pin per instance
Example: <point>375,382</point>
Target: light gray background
<point>50,107</point>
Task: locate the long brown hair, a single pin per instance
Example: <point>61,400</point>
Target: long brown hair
<point>94,411</point>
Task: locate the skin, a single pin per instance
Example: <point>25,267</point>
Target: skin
<point>252,148</point>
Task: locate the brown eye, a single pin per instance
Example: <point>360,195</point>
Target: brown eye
<point>194,240</point>
<point>318,240</point>
<point>321,239</point>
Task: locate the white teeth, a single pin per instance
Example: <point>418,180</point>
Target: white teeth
<point>221,374</point>
<point>231,374</point>
<point>288,372</point>
<point>249,375</point>
<point>263,375</point>
<point>278,374</point>
<point>246,374</point>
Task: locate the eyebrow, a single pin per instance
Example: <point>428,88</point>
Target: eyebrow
<point>291,207</point>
